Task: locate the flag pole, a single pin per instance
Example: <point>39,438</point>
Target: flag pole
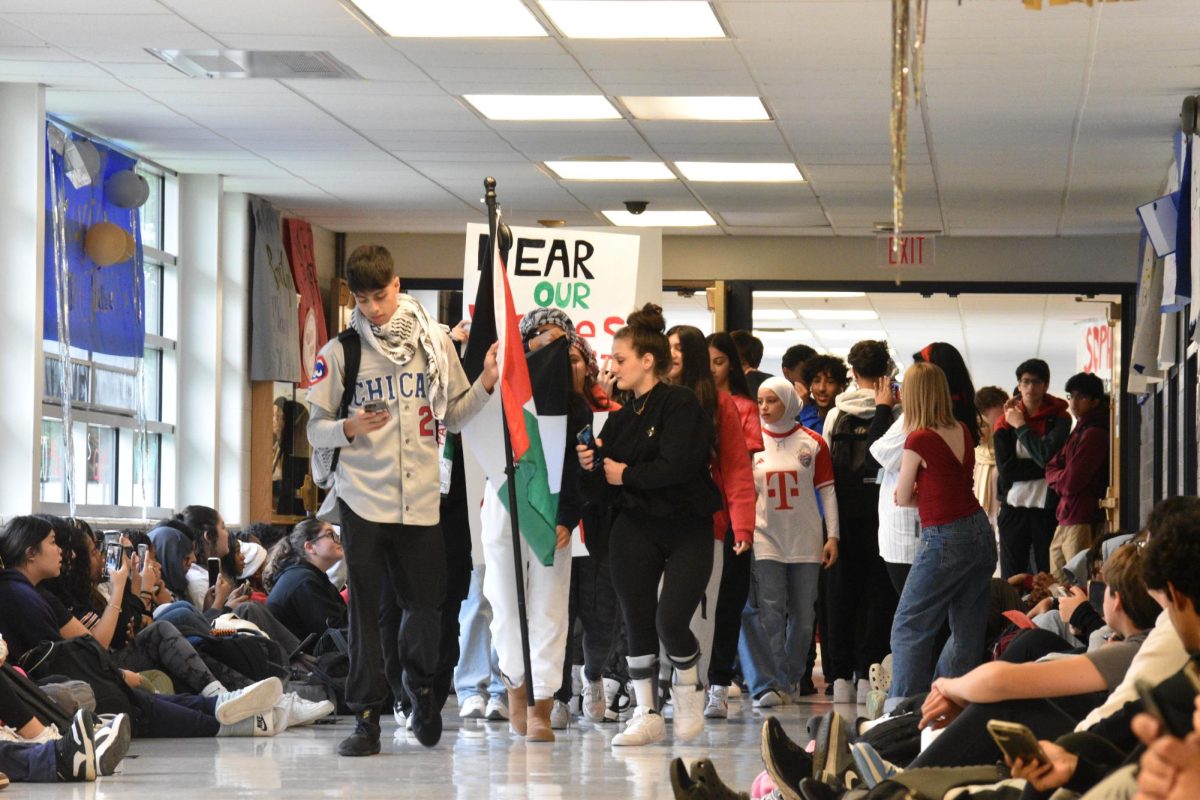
<point>510,471</point>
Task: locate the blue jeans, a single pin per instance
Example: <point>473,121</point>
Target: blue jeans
<point>29,763</point>
<point>951,576</point>
<point>754,652</point>
<point>787,609</point>
<point>478,671</point>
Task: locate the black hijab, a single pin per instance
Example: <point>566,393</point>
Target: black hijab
<point>172,548</point>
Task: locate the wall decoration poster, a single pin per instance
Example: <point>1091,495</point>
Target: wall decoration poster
<point>274,331</point>
<point>298,243</point>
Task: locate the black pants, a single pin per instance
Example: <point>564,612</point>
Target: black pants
<point>897,574</point>
<point>412,560</point>
<point>966,741</point>
<point>457,536</point>
<point>594,604</point>
<point>1034,643</point>
<point>13,710</point>
<point>680,552</point>
<point>1022,530</point>
<point>171,716</point>
<point>859,603</point>
<point>731,600</point>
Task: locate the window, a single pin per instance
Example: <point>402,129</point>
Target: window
<point>122,409</point>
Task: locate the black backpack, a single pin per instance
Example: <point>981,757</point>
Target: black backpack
<point>855,470</point>
<point>332,666</point>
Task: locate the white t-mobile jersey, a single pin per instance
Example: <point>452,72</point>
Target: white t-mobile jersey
<point>787,474</point>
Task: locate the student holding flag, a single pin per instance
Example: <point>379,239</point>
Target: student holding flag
<point>385,490</point>
<point>651,463</point>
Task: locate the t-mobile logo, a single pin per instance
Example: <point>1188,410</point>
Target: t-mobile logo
<point>782,485</point>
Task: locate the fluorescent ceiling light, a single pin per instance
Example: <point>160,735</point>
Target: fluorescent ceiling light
<point>846,333</point>
<point>837,313</point>
<point>783,335</point>
<point>634,19</point>
<point>774,313</point>
<point>452,18</point>
<point>660,219</point>
<point>611,170</point>
<point>819,295</point>
<point>543,107</point>
<point>713,109</point>
<point>739,172</point>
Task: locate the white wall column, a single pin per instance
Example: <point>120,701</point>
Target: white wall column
<point>197,431</point>
<point>233,457</point>
<point>22,217</point>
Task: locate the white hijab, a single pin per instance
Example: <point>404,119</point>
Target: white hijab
<point>786,392</point>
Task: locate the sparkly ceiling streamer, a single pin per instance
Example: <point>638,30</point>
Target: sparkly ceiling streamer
<point>908,67</point>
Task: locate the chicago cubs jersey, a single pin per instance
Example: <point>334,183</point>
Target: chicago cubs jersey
<point>787,473</point>
<point>393,474</point>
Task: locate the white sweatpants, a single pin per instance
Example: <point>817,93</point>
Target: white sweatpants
<point>704,619</point>
<point>547,597</point>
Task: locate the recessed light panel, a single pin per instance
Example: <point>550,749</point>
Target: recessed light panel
<point>738,172</point>
<point>773,313</point>
<point>713,109</point>
<point>852,335</point>
<point>634,19</point>
<point>543,107</point>
<point>452,18</point>
<point>838,313</point>
<point>611,170</point>
<point>661,219</point>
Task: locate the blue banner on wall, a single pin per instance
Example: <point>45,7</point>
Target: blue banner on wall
<point>106,304</point>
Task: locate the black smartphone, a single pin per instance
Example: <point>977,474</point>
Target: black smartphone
<point>374,406</point>
<point>143,549</point>
<point>112,556</point>
<point>1096,594</point>
<point>588,439</point>
<point>214,571</point>
<point>1016,741</point>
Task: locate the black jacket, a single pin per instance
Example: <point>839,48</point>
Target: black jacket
<point>305,601</point>
<point>666,449</point>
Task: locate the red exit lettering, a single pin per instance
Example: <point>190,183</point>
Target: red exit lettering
<point>908,250</point>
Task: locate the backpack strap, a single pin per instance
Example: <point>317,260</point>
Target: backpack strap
<point>351,355</point>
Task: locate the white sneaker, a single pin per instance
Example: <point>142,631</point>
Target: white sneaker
<point>256,726</point>
<point>398,714</point>
<point>592,701</point>
<point>560,716</point>
<point>49,734</point>
<point>616,699</point>
<point>257,698</point>
<point>645,727</point>
<point>688,720</point>
<point>863,690</point>
<point>474,707</point>
<point>735,691</point>
<point>718,702</point>
<point>497,709</point>
<point>768,699</point>
<point>293,711</point>
<point>843,691</point>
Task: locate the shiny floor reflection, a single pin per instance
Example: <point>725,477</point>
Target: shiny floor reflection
<point>474,760</point>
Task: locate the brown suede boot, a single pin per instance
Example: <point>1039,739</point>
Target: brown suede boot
<point>539,722</point>
<point>518,706</point>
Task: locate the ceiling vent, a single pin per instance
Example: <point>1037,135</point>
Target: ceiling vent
<point>271,64</point>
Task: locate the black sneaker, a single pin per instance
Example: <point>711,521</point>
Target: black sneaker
<point>112,739</point>
<point>365,739</point>
<point>810,789</point>
<point>786,761</point>
<point>831,756</point>
<point>76,750</point>
<point>807,687</point>
<point>707,785</point>
<point>426,717</point>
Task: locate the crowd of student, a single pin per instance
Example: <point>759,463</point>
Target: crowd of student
<point>942,544</point>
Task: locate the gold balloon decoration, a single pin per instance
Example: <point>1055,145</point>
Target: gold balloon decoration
<point>107,244</point>
<point>908,75</point>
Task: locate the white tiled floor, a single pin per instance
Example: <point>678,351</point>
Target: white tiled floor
<point>474,760</point>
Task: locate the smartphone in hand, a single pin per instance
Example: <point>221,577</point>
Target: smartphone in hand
<point>1016,741</point>
<point>374,406</point>
<point>588,439</point>
<point>214,571</point>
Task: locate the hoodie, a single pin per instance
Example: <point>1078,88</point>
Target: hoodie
<point>851,427</point>
<point>28,619</point>
<point>1023,453</point>
<point>172,549</point>
<point>1078,472</point>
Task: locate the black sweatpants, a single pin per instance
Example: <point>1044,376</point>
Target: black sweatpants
<point>897,574</point>
<point>1022,530</point>
<point>412,559</point>
<point>731,601</point>
<point>859,603</point>
<point>644,549</point>
<point>593,604</point>
<point>13,710</point>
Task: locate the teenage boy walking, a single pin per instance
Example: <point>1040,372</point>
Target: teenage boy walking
<point>386,486</point>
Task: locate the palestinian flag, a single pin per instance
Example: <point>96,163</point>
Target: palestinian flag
<point>533,396</point>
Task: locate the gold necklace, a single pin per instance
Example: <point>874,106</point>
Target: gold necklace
<point>645,400</point>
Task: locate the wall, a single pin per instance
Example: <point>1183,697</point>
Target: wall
<point>1003,259</point>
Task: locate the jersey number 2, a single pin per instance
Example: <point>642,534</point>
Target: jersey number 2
<point>427,426</point>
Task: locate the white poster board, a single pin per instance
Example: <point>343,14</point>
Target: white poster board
<point>592,276</point>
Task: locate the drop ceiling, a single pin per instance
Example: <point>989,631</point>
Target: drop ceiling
<point>1055,122</point>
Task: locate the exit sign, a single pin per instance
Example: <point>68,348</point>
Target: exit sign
<point>909,250</point>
